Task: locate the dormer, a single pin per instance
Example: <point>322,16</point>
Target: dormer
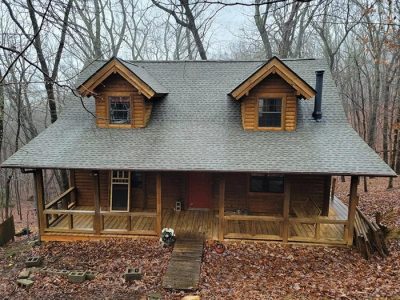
<point>124,93</point>
<point>269,97</point>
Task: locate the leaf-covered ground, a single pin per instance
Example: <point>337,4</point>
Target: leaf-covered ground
<point>244,271</point>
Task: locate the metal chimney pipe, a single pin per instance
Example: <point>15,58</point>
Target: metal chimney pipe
<point>317,114</point>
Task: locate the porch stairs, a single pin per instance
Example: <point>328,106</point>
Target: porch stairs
<point>183,272</point>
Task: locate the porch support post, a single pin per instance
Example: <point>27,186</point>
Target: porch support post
<point>72,184</point>
<point>40,201</point>
<point>333,187</point>
<point>96,220</point>
<point>221,209</point>
<point>286,207</point>
<point>327,190</point>
<point>158,207</point>
<point>353,202</point>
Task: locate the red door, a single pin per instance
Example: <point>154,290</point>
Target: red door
<point>199,191</point>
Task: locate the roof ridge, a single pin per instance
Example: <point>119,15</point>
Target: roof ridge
<point>210,60</point>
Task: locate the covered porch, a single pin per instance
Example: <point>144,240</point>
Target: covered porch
<point>186,222</point>
<point>231,214</point>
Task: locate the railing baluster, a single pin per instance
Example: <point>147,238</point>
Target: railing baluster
<point>70,222</point>
<point>101,222</point>
<point>129,223</point>
<point>317,230</point>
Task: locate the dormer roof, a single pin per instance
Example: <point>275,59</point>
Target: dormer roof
<point>134,74</point>
<point>274,66</point>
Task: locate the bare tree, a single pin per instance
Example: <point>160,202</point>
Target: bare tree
<point>187,20</point>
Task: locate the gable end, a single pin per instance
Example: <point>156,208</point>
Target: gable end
<point>116,66</point>
<point>274,66</point>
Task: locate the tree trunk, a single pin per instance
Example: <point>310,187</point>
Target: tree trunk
<point>193,28</point>
<point>261,23</point>
<point>1,113</point>
<point>393,157</point>
<point>385,143</point>
<point>97,38</point>
<point>7,197</point>
<point>371,135</point>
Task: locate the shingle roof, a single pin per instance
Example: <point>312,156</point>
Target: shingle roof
<point>198,127</point>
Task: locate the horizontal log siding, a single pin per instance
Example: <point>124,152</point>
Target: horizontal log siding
<point>85,188</point>
<point>273,84</point>
<point>237,196</point>
<point>140,107</point>
<point>174,188</point>
<point>303,188</point>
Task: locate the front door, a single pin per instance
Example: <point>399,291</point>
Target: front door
<point>199,190</point>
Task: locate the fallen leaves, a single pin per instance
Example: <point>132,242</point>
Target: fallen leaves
<point>255,270</point>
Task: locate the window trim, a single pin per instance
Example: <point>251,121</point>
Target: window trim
<point>111,190</point>
<point>119,94</point>
<point>250,193</point>
<point>283,110</point>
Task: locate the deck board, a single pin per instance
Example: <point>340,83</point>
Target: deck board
<point>183,272</point>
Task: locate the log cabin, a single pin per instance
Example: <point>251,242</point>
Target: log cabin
<point>229,149</point>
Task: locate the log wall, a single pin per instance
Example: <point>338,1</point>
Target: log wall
<point>174,188</point>
<point>85,188</point>
<point>269,87</point>
<point>118,86</point>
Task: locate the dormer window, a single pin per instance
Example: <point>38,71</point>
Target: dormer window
<point>269,97</point>
<point>270,112</point>
<point>120,110</point>
<point>124,93</point>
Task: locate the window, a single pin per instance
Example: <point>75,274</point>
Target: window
<point>137,180</point>
<point>270,112</point>
<point>263,183</point>
<point>120,190</point>
<point>120,110</point>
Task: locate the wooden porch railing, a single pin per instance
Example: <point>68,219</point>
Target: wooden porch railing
<point>64,201</point>
<point>253,234</point>
<point>129,229</point>
<point>248,231</point>
<point>70,214</point>
<point>317,237</point>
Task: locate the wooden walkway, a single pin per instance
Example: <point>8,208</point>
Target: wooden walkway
<point>183,271</point>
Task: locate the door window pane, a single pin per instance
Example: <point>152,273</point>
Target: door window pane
<point>120,184</point>
<point>120,197</point>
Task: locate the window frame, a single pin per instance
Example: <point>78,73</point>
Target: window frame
<point>252,193</point>
<point>283,110</point>
<point>128,183</point>
<point>119,94</point>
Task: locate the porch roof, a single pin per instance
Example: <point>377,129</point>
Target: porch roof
<point>197,126</point>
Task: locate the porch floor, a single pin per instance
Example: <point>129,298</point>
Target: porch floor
<point>197,221</point>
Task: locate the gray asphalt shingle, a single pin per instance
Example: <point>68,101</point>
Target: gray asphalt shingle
<point>197,126</point>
